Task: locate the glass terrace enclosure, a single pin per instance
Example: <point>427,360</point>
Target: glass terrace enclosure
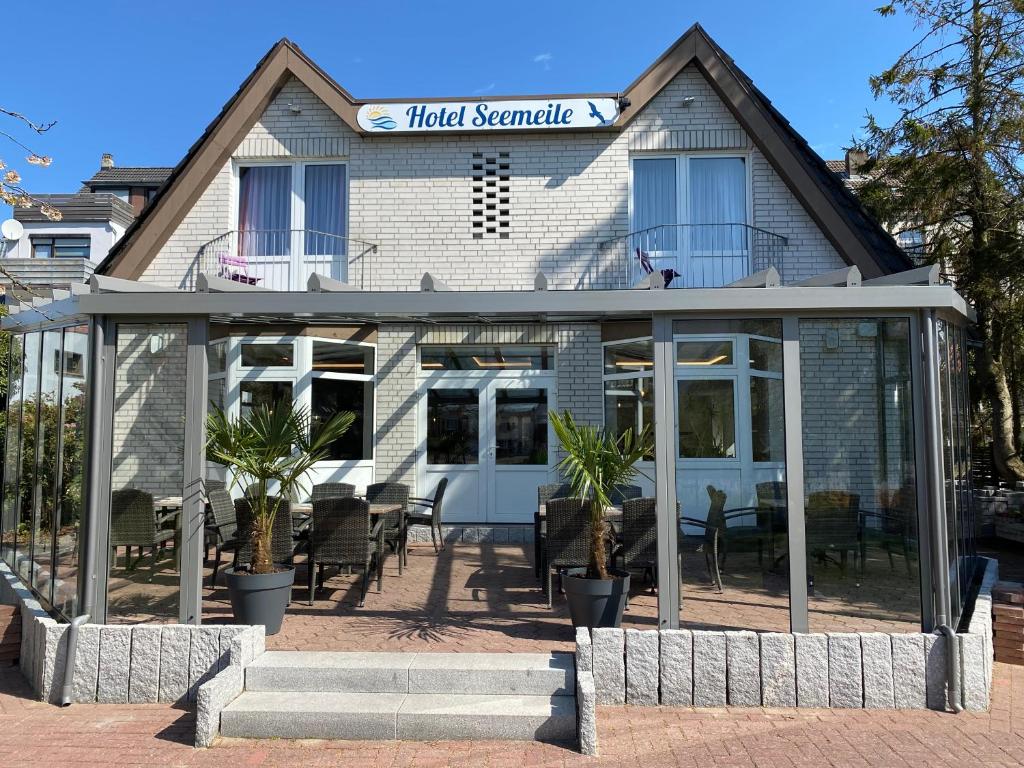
<point>810,458</point>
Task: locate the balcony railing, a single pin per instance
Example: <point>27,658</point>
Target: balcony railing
<point>688,256</point>
<point>283,260</point>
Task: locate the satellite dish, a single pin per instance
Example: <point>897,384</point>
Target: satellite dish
<point>12,229</point>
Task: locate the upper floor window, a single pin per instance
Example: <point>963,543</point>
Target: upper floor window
<point>707,192</point>
<point>58,247</point>
<point>297,207</point>
<point>690,216</point>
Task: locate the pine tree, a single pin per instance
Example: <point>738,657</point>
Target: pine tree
<point>952,166</point>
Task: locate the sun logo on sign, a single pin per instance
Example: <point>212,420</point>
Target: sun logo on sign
<point>380,118</point>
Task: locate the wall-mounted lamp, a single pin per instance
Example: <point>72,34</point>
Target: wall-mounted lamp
<point>158,342</point>
<point>687,101</point>
<point>295,109</point>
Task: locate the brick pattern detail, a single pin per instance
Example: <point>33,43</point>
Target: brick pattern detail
<point>411,194</point>
<point>490,177</point>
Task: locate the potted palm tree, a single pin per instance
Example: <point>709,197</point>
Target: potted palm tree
<point>595,463</point>
<point>269,449</point>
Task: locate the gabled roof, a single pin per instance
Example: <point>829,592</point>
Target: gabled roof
<point>126,175</point>
<point>858,238</point>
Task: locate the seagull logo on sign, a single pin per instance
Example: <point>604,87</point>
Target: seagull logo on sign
<point>596,114</point>
<point>380,118</point>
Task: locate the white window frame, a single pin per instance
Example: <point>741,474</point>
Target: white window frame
<point>625,376</point>
<point>682,159</point>
<point>297,201</point>
<point>306,385</point>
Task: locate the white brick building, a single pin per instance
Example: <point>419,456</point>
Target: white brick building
<point>724,190</point>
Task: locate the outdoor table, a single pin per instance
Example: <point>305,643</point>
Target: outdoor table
<point>305,513</point>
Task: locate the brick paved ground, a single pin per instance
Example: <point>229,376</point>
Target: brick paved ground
<point>33,733</point>
<point>483,597</point>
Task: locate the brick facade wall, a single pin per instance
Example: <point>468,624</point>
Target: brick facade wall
<point>149,409</point>
<point>843,429</point>
<point>412,195</point>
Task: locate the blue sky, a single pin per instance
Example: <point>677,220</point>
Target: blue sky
<point>143,79</point>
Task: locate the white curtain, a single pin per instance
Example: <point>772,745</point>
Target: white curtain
<point>325,210</point>
<point>264,210</point>
<point>718,203</point>
<point>655,203</point>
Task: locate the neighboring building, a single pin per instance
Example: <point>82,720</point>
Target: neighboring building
<point>851,171</point>
<point>452,270</point>
<point>55,254</point>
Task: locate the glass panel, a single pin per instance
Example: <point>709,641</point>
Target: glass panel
<point>69,494</point>
<point>731,487</point>
<point>325,210</point>
<point>767,419</point>
<point>655,203</point>
<point>453,426</point>
<point>29,423</point>
<point>766,327</point>
<point>707,419</point>
<point>264,210</point>
<point>704,353</point>
<point>634,356</point>
<point>268,355</point>
<point>216,358</point>
<point>48,409</point>
<point>12,445</point>
<point>765,355</point>
<point>147,475</point>
<point>860,476</point>
<point>342,358</point>
<point>718,203</point>
<point>331,396</point>
<point>487,358</point>
<point>269,393</point>
<point>71,247</point>
<point>629,404</point>
<point>42,249</point>
<point>521,426</point>
<point>946,406</point>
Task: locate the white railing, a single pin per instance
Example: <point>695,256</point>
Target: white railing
<point>283,260</point>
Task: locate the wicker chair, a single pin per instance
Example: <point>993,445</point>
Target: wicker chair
<point>222,527</point>
<point>739,529</point>
<point>832,527</point>
<point>639,549</point>
<point>430,514</point>
<point>621,493</point>
<point>134,522</point>
<point>333,491</point>
<point>545,493</point>
<point>567,541</point>
<point>282,541</point>
<point>395,533</point>
<point>341,536</point>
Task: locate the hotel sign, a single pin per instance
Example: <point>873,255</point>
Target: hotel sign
<point>463,116</point>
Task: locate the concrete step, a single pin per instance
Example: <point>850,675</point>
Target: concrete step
<point>532,674</point>
<point>415,716</point>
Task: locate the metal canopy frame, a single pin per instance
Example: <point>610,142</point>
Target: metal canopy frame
<point>915,295</point>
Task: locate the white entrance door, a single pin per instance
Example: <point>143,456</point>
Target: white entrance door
<point>491,438</point>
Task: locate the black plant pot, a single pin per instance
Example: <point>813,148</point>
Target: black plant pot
<point>596,602</point>
<point>261,598</point>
